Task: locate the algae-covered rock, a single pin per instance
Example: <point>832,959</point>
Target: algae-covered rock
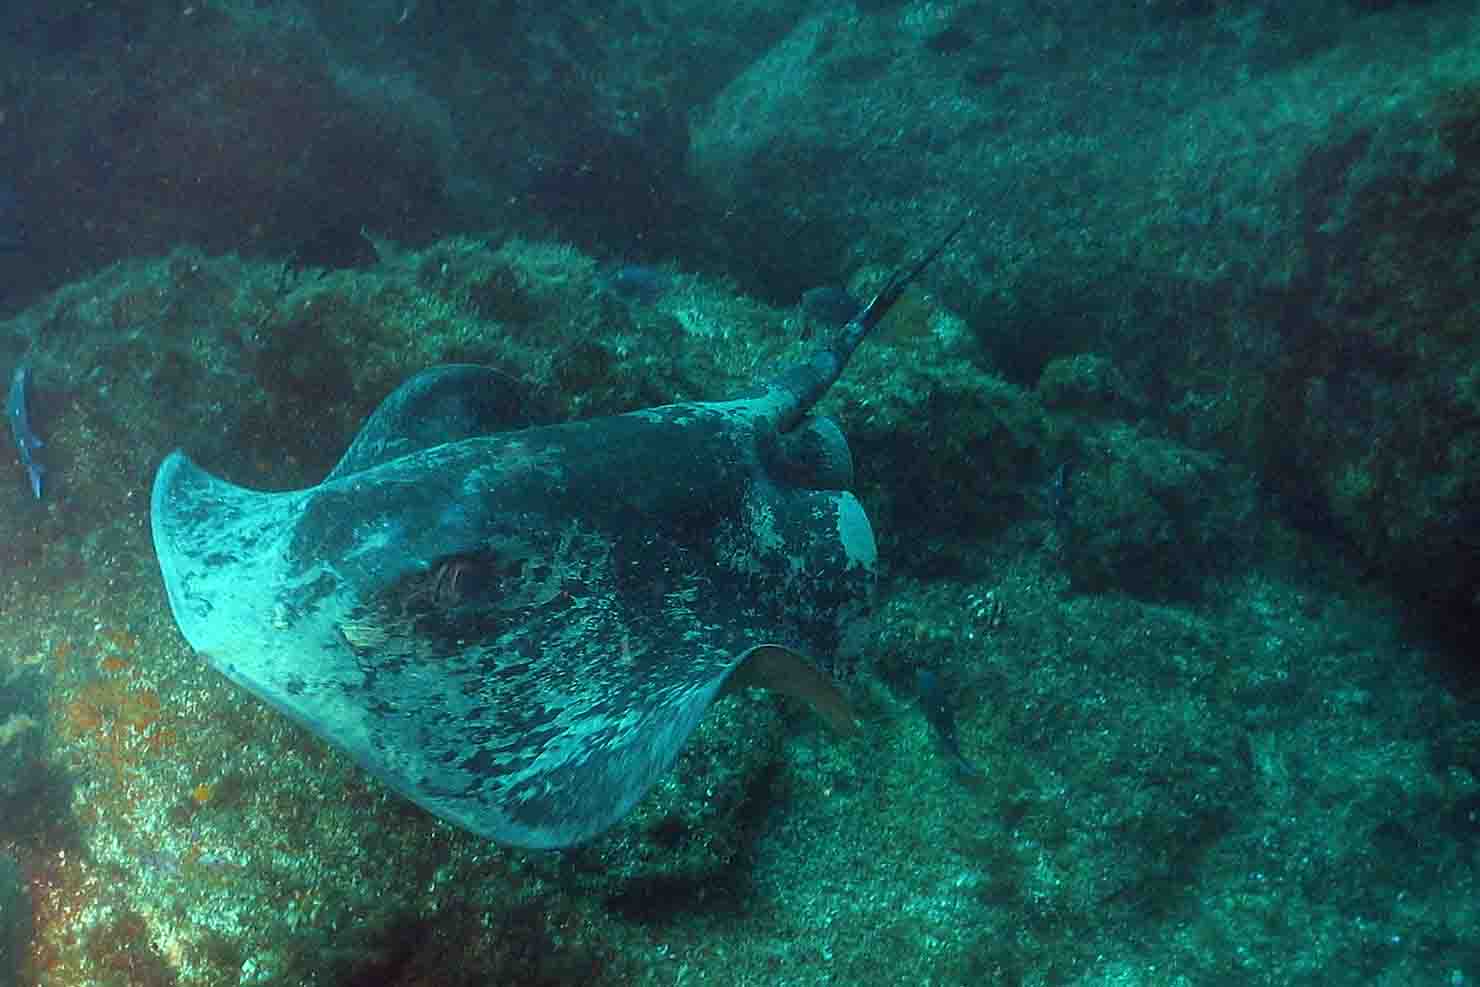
<point>1086,382</point>
<point>1152,518</point>
<point>15,920</point>
<point>1365,418</point>
<point>22,712</point>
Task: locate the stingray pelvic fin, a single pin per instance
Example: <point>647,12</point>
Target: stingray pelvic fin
<point>770,666</point>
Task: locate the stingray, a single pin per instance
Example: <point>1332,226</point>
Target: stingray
<point>519,629</point>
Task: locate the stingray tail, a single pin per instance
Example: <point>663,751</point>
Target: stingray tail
<point>801,387</point>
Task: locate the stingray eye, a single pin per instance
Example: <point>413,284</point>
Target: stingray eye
<point>456,580</point>
<point>450,580</point>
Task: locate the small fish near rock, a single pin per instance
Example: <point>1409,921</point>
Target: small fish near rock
<point>637,283</point>
<point>828,306</point>
<point>519,630</point>
<point>26,439</point>
<point>938,703</point>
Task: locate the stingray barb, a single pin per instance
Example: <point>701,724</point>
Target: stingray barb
<point>518,630</point>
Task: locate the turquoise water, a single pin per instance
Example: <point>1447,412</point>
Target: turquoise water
<point>1170,459</point>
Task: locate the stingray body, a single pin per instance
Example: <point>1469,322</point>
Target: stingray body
<point>518,630</point>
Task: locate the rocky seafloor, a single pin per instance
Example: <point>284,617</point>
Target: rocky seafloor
<point>1245,771</point>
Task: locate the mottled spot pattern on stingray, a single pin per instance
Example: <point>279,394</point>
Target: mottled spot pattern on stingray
<point>518,630</point>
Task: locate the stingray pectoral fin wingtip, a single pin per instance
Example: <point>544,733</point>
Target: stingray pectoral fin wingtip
<point>780,669</point>
<point>174,483</point>
<point>185,501</point>
<point>218,548</point>
<point>175,500</point>
<point>181,488</point>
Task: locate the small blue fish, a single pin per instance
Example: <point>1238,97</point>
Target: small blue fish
<point>1061,494</point>
<point>830,306</point>
<point>939,708</point>
<point>637,283</point>
<point>26,441</point>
